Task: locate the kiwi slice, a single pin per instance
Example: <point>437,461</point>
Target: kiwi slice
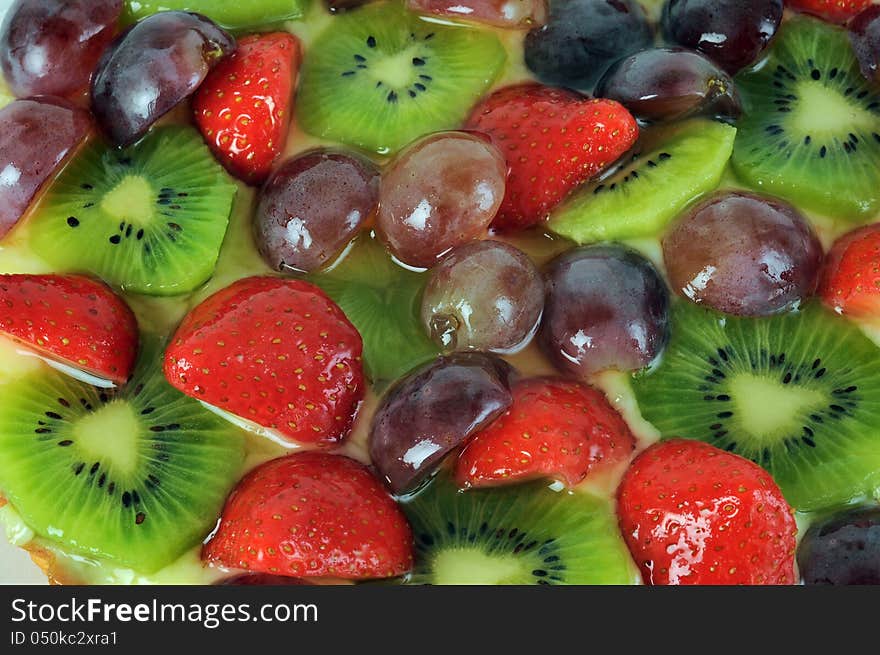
<point>644,195</point>
<point>798,394</point>
<point>149,219</point>
<point>810,130</point>
<point>520,534</point>
<point>231,14</point>
<point>382,300</point>
<point>379,77</point>
<point>136,476</point>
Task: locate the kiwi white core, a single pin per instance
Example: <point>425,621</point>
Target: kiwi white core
<point>767,409</point>
<point>397,70</point>
<point>131,200</point>
<point>822,111</point>
<point>110,434</point>
<point>472,566</point>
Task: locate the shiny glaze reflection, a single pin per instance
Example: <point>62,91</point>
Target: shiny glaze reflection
<point>432,411</point>
<point>664,84</point>
<point>743,254</point>
<point>606,308</point>
<point>442,191</point>
<point>148,70</point>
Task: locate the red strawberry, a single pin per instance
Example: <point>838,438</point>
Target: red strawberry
<point>851,278</point>
<point>835,11</point>
<point>554,428</point>
<point>315,515</point>
<point>553,140</point>
<point>243,107</point>
<point>276,352</point>
<point>693,514</point>
<point>73,319</point>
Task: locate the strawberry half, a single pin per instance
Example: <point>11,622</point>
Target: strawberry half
<point>553,140</point>
<point>273,351</point>
<point>243,107</point>
<point>554,428</point>
<point>834,11</point>
<point>694,514</point>
<point>71,318</point>
<point>312,515</point>
<point>851,277</point>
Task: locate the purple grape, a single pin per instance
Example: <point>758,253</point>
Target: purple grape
<point>312,207</point>
<point>50,47</point>
<point>606,308</point>
<point>432,411</point>
<point>35,137</point>
<point>743,254</point>
<point>843,549</point>
<point>864,33</point>
<point>667,84</point>
<point>732,33</point>
<point>582,38</point>
<point>484,295</point>
<point>151,68</point>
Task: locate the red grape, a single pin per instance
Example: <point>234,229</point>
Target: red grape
<point>743,254</point>
<point>440,192</point>
<point>864,33</point>
<point>312,207</point>
<point>504,13</point>
<point>35,137</point>
<point>50,47</point>
<point>485,295</point>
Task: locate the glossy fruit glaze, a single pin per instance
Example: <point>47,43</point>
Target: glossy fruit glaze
<point>240,257</point>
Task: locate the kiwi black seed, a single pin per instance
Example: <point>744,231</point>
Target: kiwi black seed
<point>149,219</point>
<point>810,130</point>
<point>798,393</point>
<point>379,77</point>
<point>652,188</point>
<point>135,476</point>
<point>519,534</point>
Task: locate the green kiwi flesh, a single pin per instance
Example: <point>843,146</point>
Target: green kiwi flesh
<point>135,477</point>
<point>380,77</point>
<point>382,300</point>
<point>798,393</point>
<point>149,219</point>
<point>522,534</point>
<point>226,13</point>
<point>645,194</point>
<point>810,130</point>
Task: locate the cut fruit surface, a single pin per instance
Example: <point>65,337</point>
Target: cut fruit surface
<point>149,219</point>
<point>382,300</point>
<point>522,534</point>
<point>379,77</point>
<point>641,198</point>
<point>794,393</point>
<point>810,130</point>
<point>136,477</point>
<point>312,514</point>
<point>73,319</point>
<point>274,352</point>
<point>228,13</point>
